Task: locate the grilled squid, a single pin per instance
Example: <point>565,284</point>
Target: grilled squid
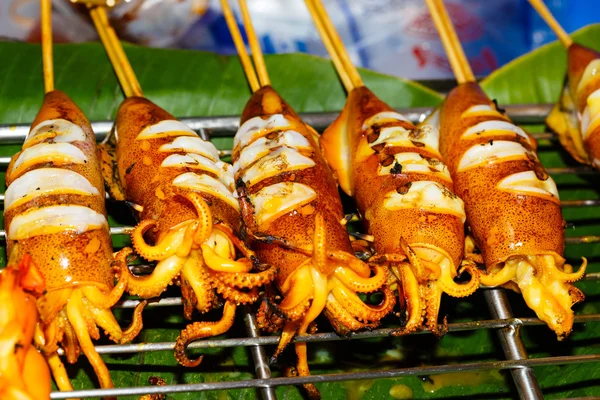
<point>293,217</point>
<point>405,194</point>
<point>24,373</point>
<point>512,205</point>
<point>576,116</point>
<point>54,212</point>
<point>189,217</point>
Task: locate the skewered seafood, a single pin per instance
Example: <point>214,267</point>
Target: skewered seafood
<point>24,373</point>
<point>576,116</point>
<point>54,211</point>
<point>512,204</point>
<point>402,189</point>
<point>292,214</point>
<point>183,195</point>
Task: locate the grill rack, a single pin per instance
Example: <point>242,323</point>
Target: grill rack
<point>503,320</point>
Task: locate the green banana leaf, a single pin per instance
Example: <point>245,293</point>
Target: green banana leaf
<point>201,84</point>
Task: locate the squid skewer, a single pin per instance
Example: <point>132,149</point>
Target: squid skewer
<point>24,373</point>
<point>54,213</point>
<point>183,195</point>
<point>402,189</point>
<point>512,204</point>
<point>292,213</point>
<point>576,116</point>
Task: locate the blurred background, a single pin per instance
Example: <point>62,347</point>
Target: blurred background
<point>395,37</point>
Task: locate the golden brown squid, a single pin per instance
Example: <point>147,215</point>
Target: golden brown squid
<point>512,204</point>
<point>293,216</point>
<point>54,212</point>
<point>576,115</point>
<point>24,373</point>
<point>402,189</point>
<point>183,195</point>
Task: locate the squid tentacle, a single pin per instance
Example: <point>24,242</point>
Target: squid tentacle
<point>570,277</point>
<point>344,321</point>
<point>166,247</point>
<point>199,280</point>
<point>222,264</point>
<point>359,284</point>
<point>507,273</point>
<point>298,299</point>
<point>68,338</point>
<point>559,317</point>
<point>297,312</point>
<point>59,372</point>
<point>74,310</point>
<point>454,289</point>
<point>432,310</point>
<point>237,296</point>
<point>106,320</point>
<point>350,261</point>
<point>287,335</point>
<point>302,370</point>
<point>200,330</point>
<point>154,284</point>
<point>88,317</point>
<point>205,220</point>
<point>355,306</point>
<point>247,280</point>
<point>239,244</point>
<point>108,300</point>
<point>409,293</point>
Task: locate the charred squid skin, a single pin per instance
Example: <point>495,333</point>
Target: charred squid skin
<point>189,216</point>
<point>292,211</point>
<point>512,203</point>
<point>56,179</point>
<point>394,171</point>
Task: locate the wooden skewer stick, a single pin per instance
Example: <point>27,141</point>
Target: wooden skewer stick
<point>547,16</point>
<point>351,70</point>
<point>116,54</point>
<point>456,55</point>
<point>47,61</point>
<point>240,46</point>
<point>257,55</point>
<point>114,39</point>
<point>337,62</point>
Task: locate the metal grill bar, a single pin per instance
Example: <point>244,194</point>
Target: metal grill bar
<point>326,336</point>
<point>512,345</point>
<point>261,363</point>
<point>340,377</point>
<point>226,125</point>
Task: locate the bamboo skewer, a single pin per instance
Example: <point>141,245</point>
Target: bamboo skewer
<point>547,16</point>
<point>331,49</point>
<point>349,67</point>
<point>131,77</point>
<point>240,46</point>
<point>257,55</point>
<point>116,54</point>
<point>456,55</point>
<point>47,60</point>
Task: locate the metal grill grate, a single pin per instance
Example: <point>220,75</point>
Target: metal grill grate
<point>504,322</point>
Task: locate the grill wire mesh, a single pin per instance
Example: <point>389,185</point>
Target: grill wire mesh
<point>501,319</point>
